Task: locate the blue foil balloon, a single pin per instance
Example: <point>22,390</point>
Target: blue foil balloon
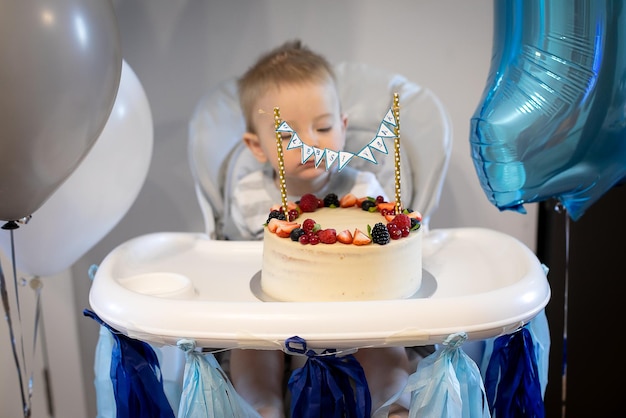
<point>552,119</point>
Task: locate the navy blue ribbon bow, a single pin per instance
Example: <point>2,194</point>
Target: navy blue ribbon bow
<point>136,377</point>
<point>512,382</point>
<point>327,386</point>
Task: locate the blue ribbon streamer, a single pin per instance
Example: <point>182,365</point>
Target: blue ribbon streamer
<point>327,386</point>
<point>512,380</point>
<point>207,391</point>
<point>447,384</point>
<point>136,377</point>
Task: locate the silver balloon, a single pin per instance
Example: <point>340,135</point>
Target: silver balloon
<point>60,68</point>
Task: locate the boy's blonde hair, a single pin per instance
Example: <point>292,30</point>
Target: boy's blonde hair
<point>290,63</point>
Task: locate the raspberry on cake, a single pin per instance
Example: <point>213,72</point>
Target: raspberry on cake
<point>308,203</point>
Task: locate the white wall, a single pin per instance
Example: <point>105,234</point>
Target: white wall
<point>181,48</point>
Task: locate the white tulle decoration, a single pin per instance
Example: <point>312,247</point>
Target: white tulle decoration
<point>446,384</point>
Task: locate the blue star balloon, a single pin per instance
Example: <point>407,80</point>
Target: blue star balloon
<point>552,119</point>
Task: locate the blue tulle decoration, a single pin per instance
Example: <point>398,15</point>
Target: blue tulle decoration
<point>105,398</point>
<point>136,377</point>
<point>328,385</point>
<point>447,384</point>
<point>207,391</point>
<point>540,334</point>
<point>512,379</point>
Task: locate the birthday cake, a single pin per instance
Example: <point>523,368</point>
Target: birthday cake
<point>348,249</point>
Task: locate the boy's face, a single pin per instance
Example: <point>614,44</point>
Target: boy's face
<point>313,111</point>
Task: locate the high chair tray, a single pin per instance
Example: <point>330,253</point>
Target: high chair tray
<point>163,287</point>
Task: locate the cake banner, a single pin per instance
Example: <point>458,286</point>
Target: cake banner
<point>387,129</point>
<point>328,385</point>
<point>550,123</point>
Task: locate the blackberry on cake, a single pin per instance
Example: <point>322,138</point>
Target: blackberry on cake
<point>331,200</point>
<point>275,214</point>
<point>380,234</point>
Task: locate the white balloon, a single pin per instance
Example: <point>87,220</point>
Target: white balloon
<point>96,196</point>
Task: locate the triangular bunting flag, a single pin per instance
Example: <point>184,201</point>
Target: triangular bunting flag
<point>331,156</point>
<point>385,132</point>
<point>295,141</point>
<point>344,157</point>
<point>390,118</point>
<point>366,154</point>
<point>319,154</point>
<point>284,127</point>
<point>379,145</point>
<point>307,151</point>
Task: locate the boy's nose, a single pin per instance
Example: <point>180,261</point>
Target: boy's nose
<point>311,140</point>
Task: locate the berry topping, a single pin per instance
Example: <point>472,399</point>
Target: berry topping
<point>415,215</point>
<point>327,236</point>
<point>394,231</point>
<point>310,232</point>
<point>293,214</point>
<point>296,234</point>
<point>347,201</point>
<point>368,205</point>
<point>345,237</point>
<point>380,234</point>
<point>308,225</point>
<point>275,214</point>
<point>360,238</point>
<point>389,207</point>
<point>331,201</point>
<point>272,225</point>
<point>284,228</point>
<point>402,220</point>
<point>308,203</point>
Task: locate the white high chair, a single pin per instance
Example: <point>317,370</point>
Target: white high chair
<point>143,288</point>
<point>219,158</point>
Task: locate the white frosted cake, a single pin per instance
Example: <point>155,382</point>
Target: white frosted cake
<point>354,268</point>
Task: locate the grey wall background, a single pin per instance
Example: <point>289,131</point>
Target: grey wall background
<point>179,49</point>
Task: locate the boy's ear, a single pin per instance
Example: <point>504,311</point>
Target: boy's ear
<point>254,145</point>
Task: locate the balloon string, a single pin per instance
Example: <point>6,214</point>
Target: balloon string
<point>46,368</point>
<point>36,285</point>
<point>7,314</point>
<point>565,303</point>
<point>27,405</point>
<point>559,208</point>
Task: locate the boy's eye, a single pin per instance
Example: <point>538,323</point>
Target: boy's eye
<point>285,136</point>
<point>328,129</point>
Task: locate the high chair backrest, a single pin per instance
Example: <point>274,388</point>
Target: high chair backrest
<point>219,158</point>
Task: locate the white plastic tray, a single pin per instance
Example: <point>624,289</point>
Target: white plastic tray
<point>166,286</point>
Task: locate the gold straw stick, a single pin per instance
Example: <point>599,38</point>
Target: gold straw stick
<point>396,145</point>
<point>281,161</point>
